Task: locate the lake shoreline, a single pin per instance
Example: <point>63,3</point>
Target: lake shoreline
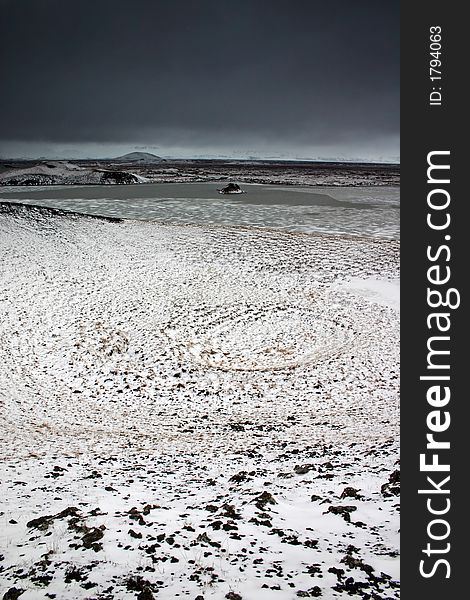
<point>340,210</point>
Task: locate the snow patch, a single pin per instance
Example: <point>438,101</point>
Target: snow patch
<point>380,291</point>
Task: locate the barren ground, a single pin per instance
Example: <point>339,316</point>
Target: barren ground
<point>196,412</point>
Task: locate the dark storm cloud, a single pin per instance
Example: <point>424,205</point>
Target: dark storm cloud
<point>299,73</point>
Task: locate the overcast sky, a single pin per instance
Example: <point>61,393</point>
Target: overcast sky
<point>292,78</point>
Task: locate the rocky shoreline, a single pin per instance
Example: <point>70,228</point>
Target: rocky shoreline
<point>186,171</point>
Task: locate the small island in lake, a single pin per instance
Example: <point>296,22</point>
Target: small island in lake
<point>231,188</point>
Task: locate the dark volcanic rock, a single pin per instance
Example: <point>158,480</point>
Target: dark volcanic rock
<point>12,594</point>
<point>145,594</point>
<point>230,511</point>
<point>30,179</point>
<point>134,534</point>
<point>338,572</point>
<point>263,499</point>
<point>118,177</point>
<point>42,523</point>
<point>357,563</point>
<point>239,477</point>
<point>351,587</point>
<point>343,511</point>
<point>350,492</point>
<point>314,592</point>
<point>73,574</point>
<point>231,188</point>
<point>89,539</point>
<point>392,488</point>
<point>303,469</point>
<point>141,585</point>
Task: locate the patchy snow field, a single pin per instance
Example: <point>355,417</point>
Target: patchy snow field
<point>157,170</point>
<point>196,412</point>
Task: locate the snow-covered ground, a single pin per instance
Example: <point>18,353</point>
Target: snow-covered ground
<point>62,172</point>
<point>378,290</point>
<point>196,412</point>
<point>154,169</point>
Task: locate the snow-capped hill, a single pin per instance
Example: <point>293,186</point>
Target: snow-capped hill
<point>43,173</point>
<point>46,168</point>
<point>140,157</point>
<point>65,173</point>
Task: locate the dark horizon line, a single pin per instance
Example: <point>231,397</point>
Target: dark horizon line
<point>212,159</point>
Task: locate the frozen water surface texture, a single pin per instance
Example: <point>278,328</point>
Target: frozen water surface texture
<point>372,210</point>
<point>199,411</point>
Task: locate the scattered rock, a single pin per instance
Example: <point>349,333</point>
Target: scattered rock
<point>313,569</point>
<point>357,563</point>
<point>89,539</point>
<point>236,426</point>
<point>228,510</point>
<point>314,592</point>
<point>145,594</point>
<point>13,593</point>
<point>135,534</point>
<point>350,492</point>
<point>43,523</point>
<point>144,588</point>
<point>338,572</point>
<point>343,511</point>
<point>392,488</point>
<point>303,469</point>
<point>239,477</point>
<point>264,499</point>
<point>73,574</point>
<point>351,587</point>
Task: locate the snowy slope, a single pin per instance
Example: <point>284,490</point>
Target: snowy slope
<point>195,412</point>
<point>66,173</point>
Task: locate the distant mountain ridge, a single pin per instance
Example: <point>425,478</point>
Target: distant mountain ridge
<point>142,157</point>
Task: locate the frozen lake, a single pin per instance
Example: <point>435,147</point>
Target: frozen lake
<point>370,211</point>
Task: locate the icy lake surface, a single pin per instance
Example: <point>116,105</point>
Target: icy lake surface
<point>371,211</point>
